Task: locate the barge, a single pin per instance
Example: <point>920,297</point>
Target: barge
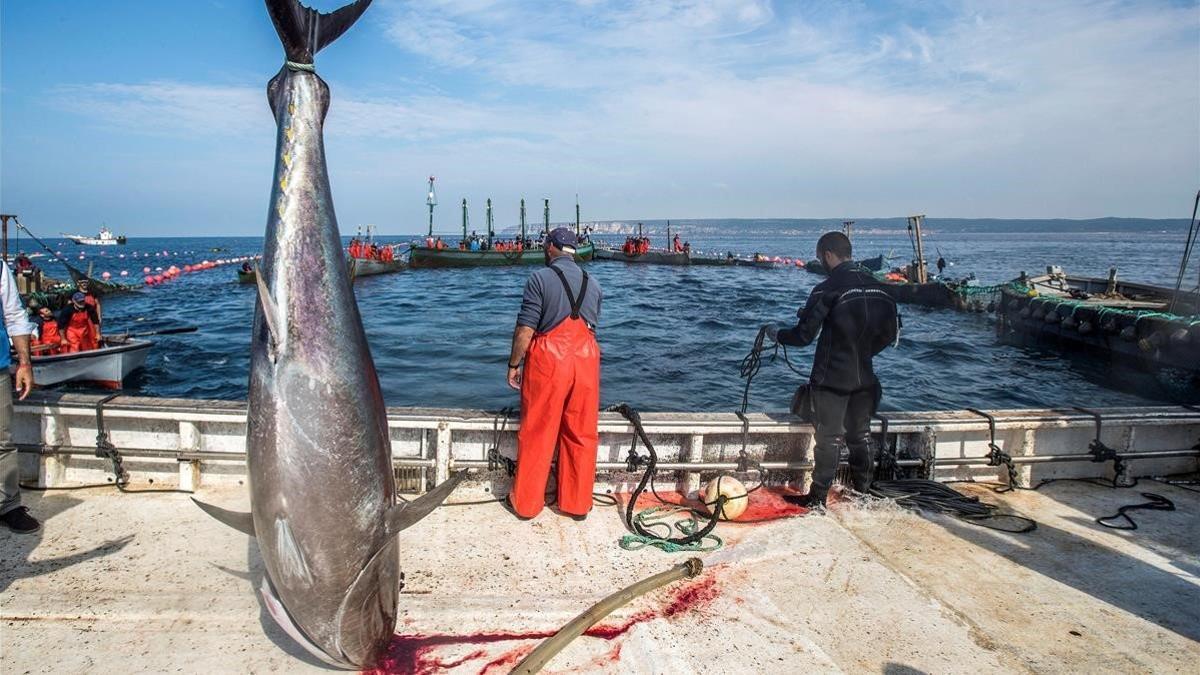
<point>142,579</point>
<point>1129,324</point>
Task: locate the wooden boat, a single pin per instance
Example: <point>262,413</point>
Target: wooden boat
<point>424,256</point>
<point>245,277</point>
<point>652,257</point>
<point>106,367</point>
<point>1129,322</point>
<point>104,238</point>
<point>712,260</point>
<point>369,267</point>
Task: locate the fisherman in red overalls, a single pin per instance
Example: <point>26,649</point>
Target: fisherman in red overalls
<point>93,302</point>
<point>76,322</point>
<point>49,340</point>
<point>555,362</point>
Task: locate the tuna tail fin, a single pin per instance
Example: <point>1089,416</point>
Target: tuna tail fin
<point>305,31</point>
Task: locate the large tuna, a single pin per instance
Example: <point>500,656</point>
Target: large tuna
<point>323,496</point>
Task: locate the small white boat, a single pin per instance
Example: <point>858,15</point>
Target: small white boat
<point>106,367</point>
<point>105,238</point>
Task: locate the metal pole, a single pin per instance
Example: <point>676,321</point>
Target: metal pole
<point>546,216</point>
<point>431,200</point>
<point>576,216</point>
<point>4,235</point>
<point>489,222</point>
<point>464,237</point>
<point>522,222</point>
<point>916,222</point>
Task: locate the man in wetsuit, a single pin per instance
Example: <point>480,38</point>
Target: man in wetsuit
<point>555,363</point>
<point>856,319</point>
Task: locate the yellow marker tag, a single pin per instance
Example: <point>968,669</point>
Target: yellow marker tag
<point>283,183</point>
<point>288,132</point>
<point>287,159</point>
<point>291,108</point>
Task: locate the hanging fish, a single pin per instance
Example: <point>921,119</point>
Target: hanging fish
<point>323,495</point>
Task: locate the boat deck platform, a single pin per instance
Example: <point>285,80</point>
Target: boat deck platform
<point>147,582</point>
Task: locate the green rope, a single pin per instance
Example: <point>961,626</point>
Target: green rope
<point>307,67</point>
<point>655,517</point>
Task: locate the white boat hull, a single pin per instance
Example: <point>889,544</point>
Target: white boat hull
<point>107,367</point>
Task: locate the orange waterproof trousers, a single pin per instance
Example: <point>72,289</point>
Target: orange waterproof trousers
<point>560,401</point>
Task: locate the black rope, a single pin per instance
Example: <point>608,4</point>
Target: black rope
<point>106,450</point>
<point>931,495</point>
<point>1156,503</point>
<point>651,463</point>
<point>1188,248</point>
<point>752,363</point>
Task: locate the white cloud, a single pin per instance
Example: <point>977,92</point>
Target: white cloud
<point>1071,109</point>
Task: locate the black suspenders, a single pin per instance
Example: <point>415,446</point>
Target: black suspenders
<point>576,303</point>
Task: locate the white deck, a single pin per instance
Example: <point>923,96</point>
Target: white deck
<point>148,583</point>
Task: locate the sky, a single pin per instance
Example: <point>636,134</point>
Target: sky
<point>151,116</point>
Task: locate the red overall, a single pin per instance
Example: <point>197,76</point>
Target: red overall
<point>560,402</point>
<point>80,335</point>
<point>49,336</point>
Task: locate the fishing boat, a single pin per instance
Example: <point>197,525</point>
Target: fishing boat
<point>107,366</point>
<point>652,257</point>
<point>876,264</point>
<point>1150,327</point>
<point>104,238</point>
<point>246,277</point>
<point>368,267</point>
<point>487,250</point>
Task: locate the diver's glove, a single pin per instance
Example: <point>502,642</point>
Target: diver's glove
<point>771,332</point>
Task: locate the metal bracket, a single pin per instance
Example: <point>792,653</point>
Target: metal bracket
<point>1098,450</point>
<point>886,465</point>
<point>104,447</point>
<point>996,456</point>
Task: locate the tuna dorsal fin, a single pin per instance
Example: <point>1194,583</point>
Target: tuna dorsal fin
<point>270,310</point>
<point>305,31</point>
<point>242,522</point>
<point>405,514</point>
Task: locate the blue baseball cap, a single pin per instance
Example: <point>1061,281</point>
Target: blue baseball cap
<point>562,238</point>
<point>78,297</point>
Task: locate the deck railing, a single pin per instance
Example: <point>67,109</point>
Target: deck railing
<point>182,442</point>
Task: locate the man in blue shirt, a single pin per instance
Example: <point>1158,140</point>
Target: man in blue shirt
<point>555,363</point>
<point>16,327</point>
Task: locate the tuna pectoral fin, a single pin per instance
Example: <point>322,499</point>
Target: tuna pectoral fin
<point>402,516</point>
<point>284,620</point>
<point>242,522</point>
<point>270,310</point>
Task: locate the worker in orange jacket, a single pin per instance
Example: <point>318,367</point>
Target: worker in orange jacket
<point>555,363</point>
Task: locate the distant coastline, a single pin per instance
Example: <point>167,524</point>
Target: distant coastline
<point>801,226</point>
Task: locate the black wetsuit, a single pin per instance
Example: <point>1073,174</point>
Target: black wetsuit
<point>855,319</point>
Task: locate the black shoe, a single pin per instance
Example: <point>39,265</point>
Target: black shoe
<point>18,520</point>
<point>578,519</point>
<point>509,507</point>
<point>810,500</point>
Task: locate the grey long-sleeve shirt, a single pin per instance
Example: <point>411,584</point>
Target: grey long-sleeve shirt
<point>545,304</point>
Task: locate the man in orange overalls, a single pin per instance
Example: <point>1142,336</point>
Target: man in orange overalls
<point>77,322</point>
<point>555,363</point>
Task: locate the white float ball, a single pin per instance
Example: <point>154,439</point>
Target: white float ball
<point>734,492</point>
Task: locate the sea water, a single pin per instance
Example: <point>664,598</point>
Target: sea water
<point>672,337</point>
